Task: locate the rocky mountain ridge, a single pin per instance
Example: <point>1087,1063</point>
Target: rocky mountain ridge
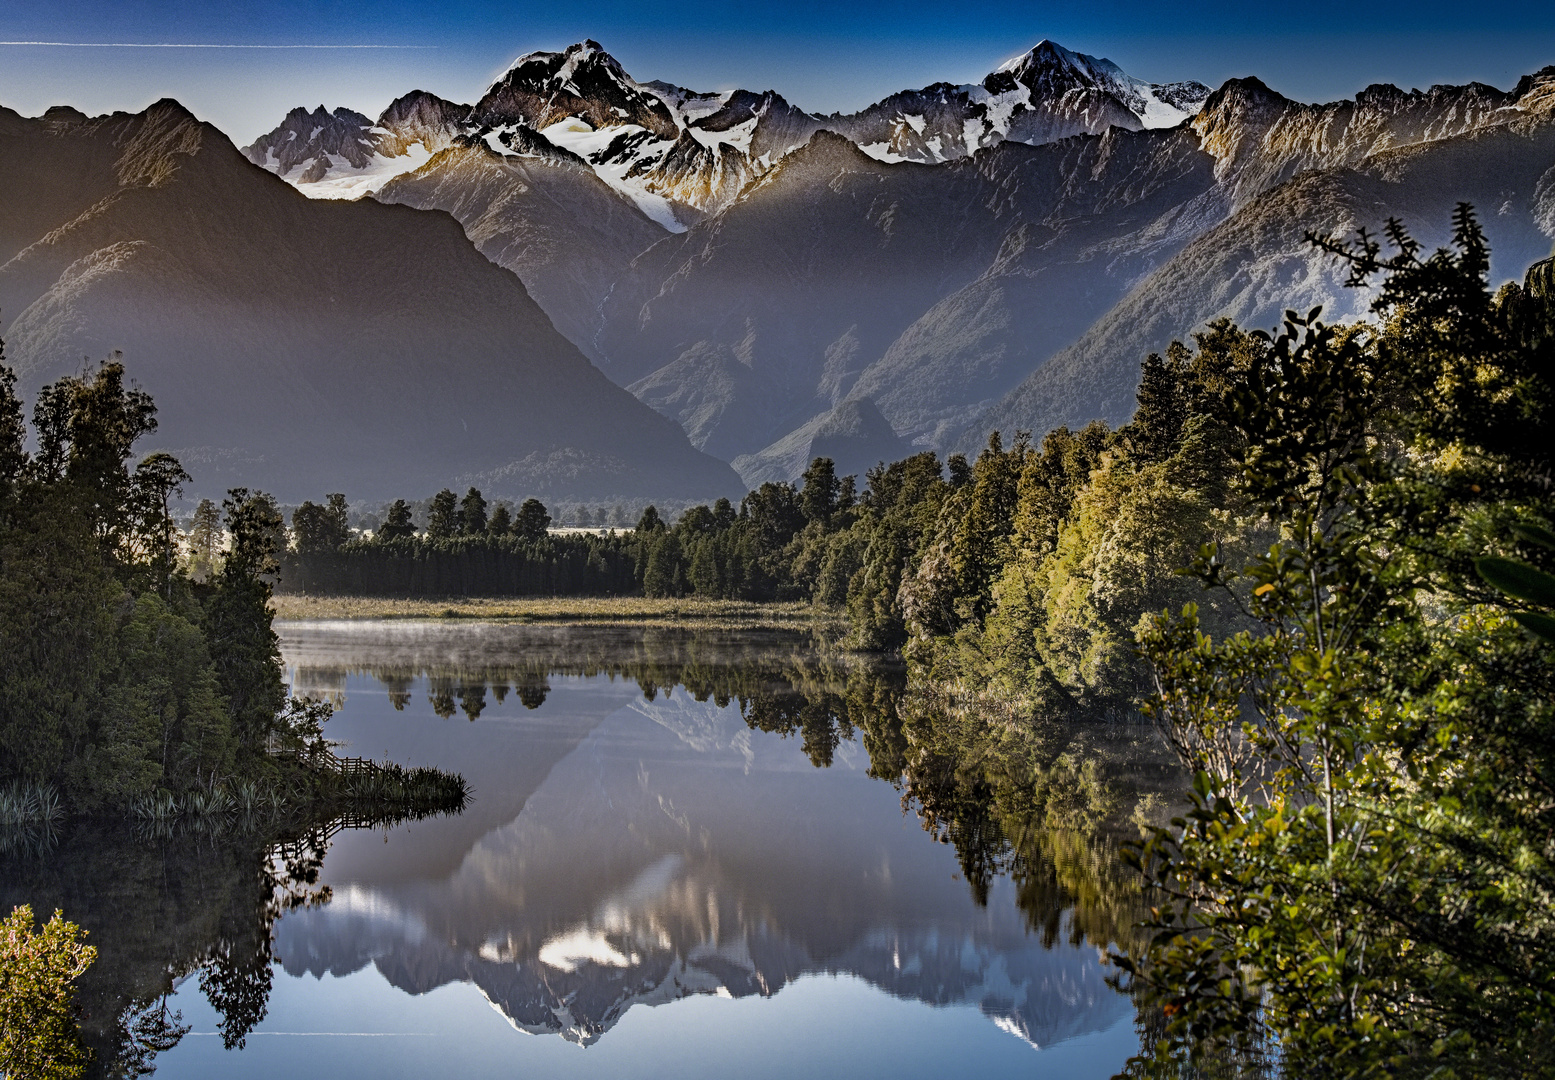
<point>680,154</point>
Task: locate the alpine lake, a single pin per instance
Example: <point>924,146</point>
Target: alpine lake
<point>688,853</point>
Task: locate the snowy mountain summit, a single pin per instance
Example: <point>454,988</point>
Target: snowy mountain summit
<point>679,155</point>
<point>1041,96</point>
<point>1051,73</point>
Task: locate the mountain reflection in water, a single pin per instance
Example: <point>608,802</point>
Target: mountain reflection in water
<point>659,815</point>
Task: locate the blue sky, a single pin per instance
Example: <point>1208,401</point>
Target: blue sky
<point>822,56</point>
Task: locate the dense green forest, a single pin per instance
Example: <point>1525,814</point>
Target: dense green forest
<point>125,685</point>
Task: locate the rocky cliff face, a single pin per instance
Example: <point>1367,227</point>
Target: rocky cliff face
<point>1260,139</point>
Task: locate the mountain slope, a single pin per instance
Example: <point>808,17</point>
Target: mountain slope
<point>930,253</point>
<point>928,289</point>
<point>1257,263</point>
<point>297,345</point>
<point>853,435</point>
<point>541,213</point>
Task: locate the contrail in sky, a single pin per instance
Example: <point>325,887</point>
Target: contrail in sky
<point>185,45</point>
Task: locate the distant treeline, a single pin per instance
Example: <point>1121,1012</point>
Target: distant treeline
<point>577,565</point>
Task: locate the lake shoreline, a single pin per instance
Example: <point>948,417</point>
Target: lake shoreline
<point>597,610</point>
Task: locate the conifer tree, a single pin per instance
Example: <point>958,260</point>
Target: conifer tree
<point>243,644</point>
<point>650,520</point>
<point>532,520</point>
<point>1162,410</point>
<point>501,523</point>
<point>397,523</point>
<point>472,514</point>
<point>818,497</point>
<point>444,517</point>
<point>205,540</point>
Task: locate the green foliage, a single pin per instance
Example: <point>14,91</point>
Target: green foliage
<point>397,523</point>
<point>107,687</point>
<point>443,520</point>
<point>819,497</point>
<point>39,1039</point>
<point>472,514</point>
<point>1362,885</point>
<point>244,649</point>
<point>532,521</point>
<point>321,528</point>
<point>1523,581</point>
<point>501,522</point>
<point>205,541</point>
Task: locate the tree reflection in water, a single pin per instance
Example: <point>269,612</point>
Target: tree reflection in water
<point>165,905</point>
<point>163,909</point>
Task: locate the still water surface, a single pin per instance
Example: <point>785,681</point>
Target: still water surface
<point>645,884</point>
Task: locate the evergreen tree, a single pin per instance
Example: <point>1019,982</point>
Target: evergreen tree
<point>1162,407</point>
<point>775,513</point>
<point>959,469</point>
<point>443,520</point>
<point>321,528</point>
<point>663,574</point>
<point>501,523</point>
<point>339,518</point>
<point>978,547</point>
<point>205,540</point>
<point>723,514</point>
<point>397,523</point>
<point>818,497</point>
<point>472,514</point>
<point>156,479</point>
<point>243,645</point>
<point>531,521</point>
<point>650,520</point>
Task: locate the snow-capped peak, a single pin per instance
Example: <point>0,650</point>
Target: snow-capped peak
<point>679,154</point>
<point>1049,71</point>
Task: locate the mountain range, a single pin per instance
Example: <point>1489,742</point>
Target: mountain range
<point>778,283</point>
<point>955,260</point>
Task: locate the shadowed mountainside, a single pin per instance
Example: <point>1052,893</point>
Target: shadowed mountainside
<point>297,345</point>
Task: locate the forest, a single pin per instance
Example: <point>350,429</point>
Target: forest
<point>128,687</point>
